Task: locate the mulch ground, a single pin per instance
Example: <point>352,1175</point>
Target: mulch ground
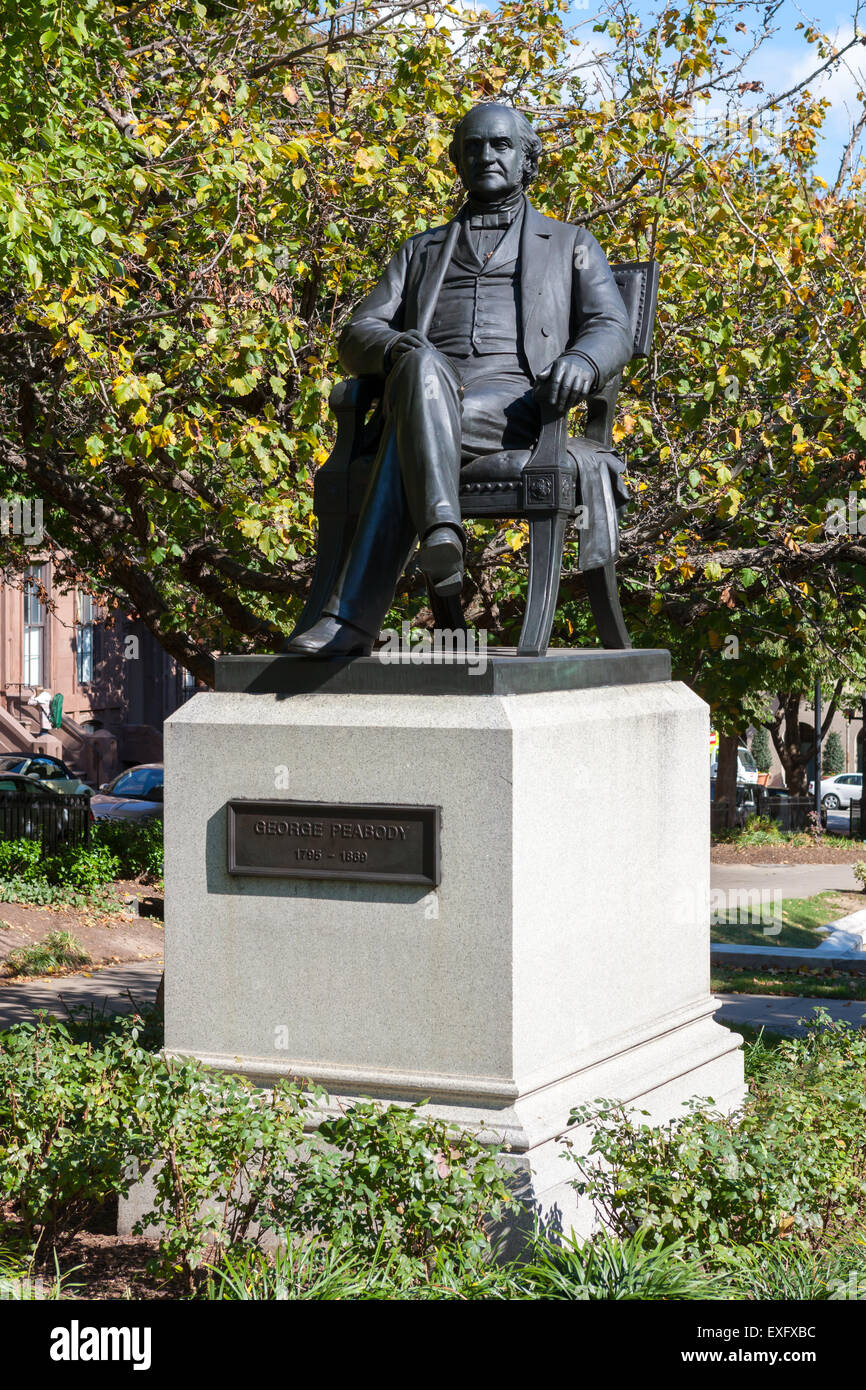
<point>95,1263</point>
<point>101,1267</point>
<point>109,937</point>
<point>824,853</point>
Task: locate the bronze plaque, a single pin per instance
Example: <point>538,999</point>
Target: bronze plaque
<point>326,839</point>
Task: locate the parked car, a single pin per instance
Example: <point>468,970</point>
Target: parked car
<point>33,810</point>
<point>840,790</point>
<point>51,772</point>
<point>747,801</point>
<point>133,795</point>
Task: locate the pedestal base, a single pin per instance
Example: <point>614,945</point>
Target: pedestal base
<point>563,956</point>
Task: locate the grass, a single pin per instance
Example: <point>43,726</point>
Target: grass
<point>57,951</point>
<point>801,918</point>
<point>805,983</point>
<point>19,1282</point>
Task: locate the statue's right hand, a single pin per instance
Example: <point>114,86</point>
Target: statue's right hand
<point>407,342</point>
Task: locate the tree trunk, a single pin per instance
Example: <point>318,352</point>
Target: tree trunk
<point>726,780</point>
<point>785,733</point>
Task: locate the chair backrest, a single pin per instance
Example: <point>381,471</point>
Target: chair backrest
<point>638,283</point>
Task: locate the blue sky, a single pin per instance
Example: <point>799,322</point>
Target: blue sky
<point>785,59</point>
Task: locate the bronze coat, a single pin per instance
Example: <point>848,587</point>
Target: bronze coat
<point>568,297</point>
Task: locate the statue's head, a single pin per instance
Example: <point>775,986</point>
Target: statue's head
<point>496,152</point>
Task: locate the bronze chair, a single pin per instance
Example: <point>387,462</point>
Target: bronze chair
<point>540,486</point>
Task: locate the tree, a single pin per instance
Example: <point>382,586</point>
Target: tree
<point>833,758</point>
<point>193,198</point>
<point>727,775</point>
<point>761,751</point>
<point>794,740</point>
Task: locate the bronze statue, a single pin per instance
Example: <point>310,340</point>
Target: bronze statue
<point>476,327</point>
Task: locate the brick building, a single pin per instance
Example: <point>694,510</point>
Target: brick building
<point>847,723</point>
<point>117,683</point>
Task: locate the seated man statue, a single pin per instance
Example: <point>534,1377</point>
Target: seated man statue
<point>471,326</point>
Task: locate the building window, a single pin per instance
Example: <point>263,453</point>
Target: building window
<point>84,638</point>
<point>34,625</point>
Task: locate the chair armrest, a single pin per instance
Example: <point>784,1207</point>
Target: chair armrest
<point>350,401</point>
<point>552,440</point>
<point>600,409</point>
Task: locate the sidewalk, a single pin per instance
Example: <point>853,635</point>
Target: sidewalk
<point>106,990</point>
<point>109,990</point>
<point>794,880</point>
<point>785,1015</point>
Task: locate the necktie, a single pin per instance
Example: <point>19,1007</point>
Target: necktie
<point>491,221</point>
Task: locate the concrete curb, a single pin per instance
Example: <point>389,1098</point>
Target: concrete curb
<point>787,957</point>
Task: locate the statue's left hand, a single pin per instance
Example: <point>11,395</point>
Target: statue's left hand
<point>565,383</point>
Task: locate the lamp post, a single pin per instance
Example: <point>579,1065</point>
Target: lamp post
<point>818,753</point>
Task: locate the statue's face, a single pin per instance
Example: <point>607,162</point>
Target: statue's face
<point>491,158</point>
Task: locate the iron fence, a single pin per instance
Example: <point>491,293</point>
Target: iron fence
<point>56,821</point>
<point>792,812</point>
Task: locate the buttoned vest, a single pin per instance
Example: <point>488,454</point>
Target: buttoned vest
<point>477,312</point>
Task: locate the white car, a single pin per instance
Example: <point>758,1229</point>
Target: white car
<point>839,791</point>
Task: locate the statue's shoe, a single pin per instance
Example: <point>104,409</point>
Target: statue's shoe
<point>330,637</point>
<point>440,559</point>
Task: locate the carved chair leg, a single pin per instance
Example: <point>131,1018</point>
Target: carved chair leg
<point>546,540</point>
<point>447,612</point>
<point>603,596</point>
<point>334,539</point>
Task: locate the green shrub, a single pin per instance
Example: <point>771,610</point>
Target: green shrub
<point>394,1184</point>
<point>74,874</point>
<point>793,1163</point>
<point>56,951</point>
<point>833,760</point>
<point>761,751</point>
<point>230,1164</point>
<point>137,844</point>
<point>21,859</point>
<point>64,1115</point>
<point>217,1146</point>
<point>82,867</point>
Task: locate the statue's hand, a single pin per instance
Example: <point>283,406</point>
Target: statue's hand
<point>565,383</point>
<point>406,342</point>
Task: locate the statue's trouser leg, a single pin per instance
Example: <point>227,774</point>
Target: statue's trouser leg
<point>413,486</point>
<point>383,541</point>
<point>422,405</point>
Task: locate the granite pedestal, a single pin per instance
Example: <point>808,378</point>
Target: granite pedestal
<point>563,954</point>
